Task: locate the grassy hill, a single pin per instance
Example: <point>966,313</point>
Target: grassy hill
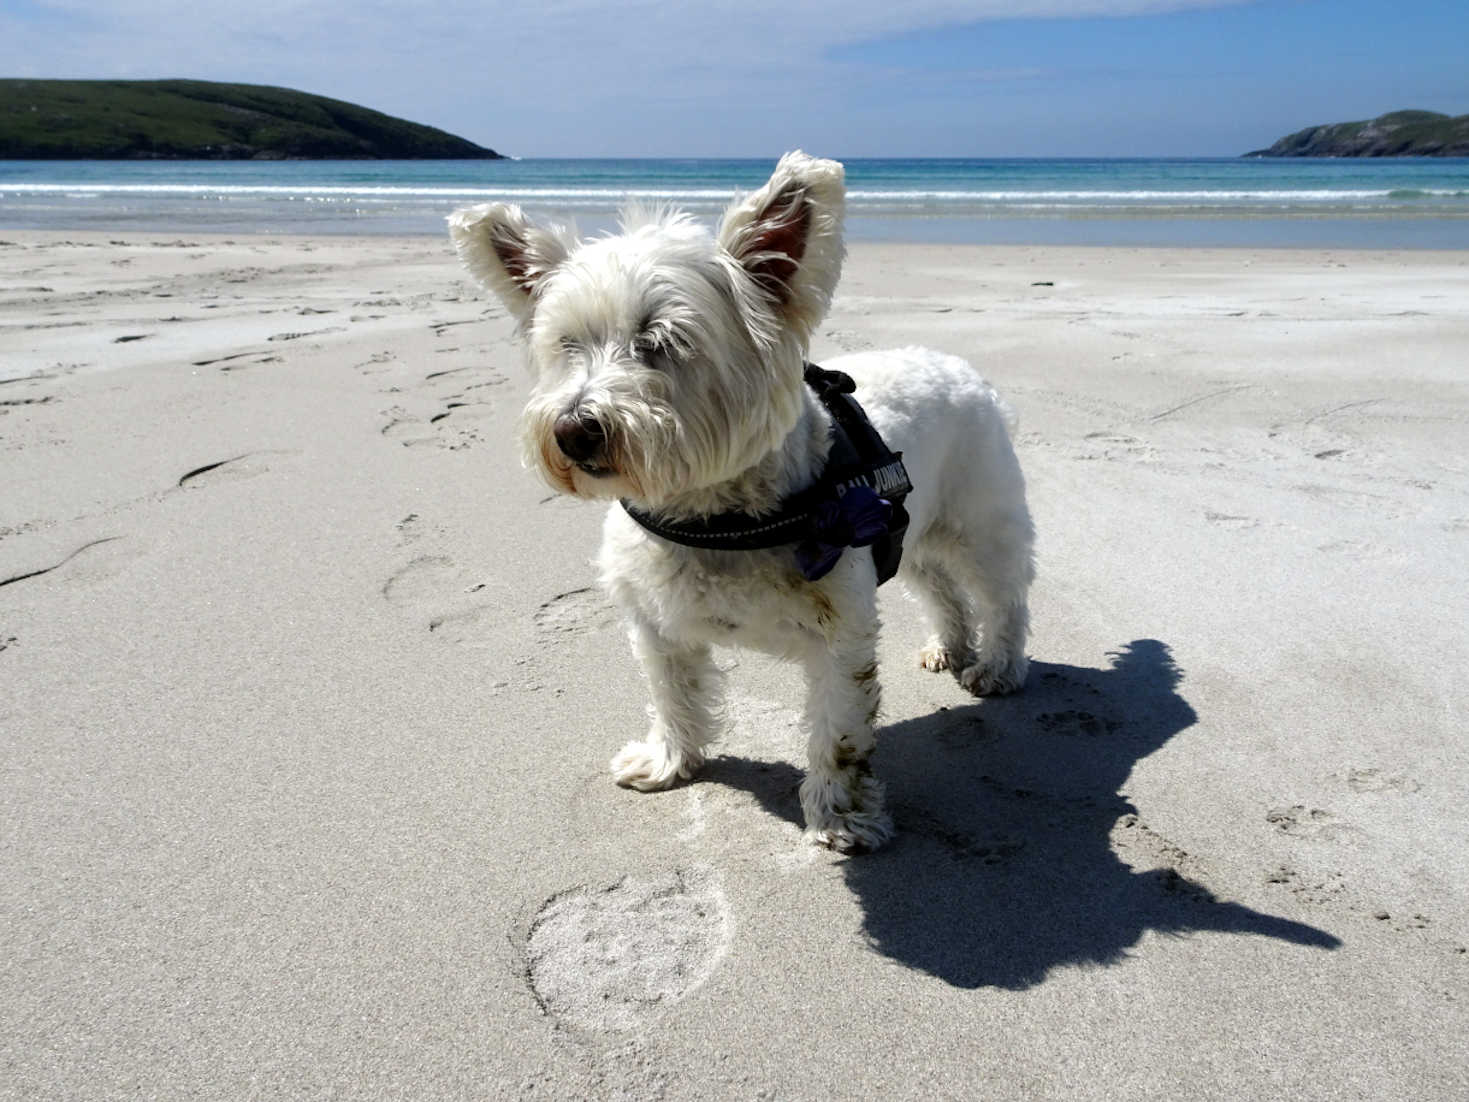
<point>1400,134</point>
<point>139,119</point>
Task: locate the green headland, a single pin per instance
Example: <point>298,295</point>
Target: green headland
<point>198,119</point>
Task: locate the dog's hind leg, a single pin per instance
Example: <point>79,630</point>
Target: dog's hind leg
<point>841,799</point>
<point>687,713</point>
<point>949,612</point>
<point>999,578</point>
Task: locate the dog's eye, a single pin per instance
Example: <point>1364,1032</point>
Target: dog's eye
<point>569,346</point>
<point>645,346</point>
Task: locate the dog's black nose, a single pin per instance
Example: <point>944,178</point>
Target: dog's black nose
<point>580,438</point>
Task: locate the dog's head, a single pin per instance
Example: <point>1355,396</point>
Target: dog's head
<point>666,359</point>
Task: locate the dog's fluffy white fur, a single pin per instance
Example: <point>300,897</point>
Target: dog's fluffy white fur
<point>667,370</point>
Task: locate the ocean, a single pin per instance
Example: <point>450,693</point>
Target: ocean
<point>1384,203</point>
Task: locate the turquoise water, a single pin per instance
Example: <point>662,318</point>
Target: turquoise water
<point>1416,203</point>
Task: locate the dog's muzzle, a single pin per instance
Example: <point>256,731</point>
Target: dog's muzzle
<point>582,440</point>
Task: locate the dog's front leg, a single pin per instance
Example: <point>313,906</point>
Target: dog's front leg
<point>841,799</point>
<point>687,709</point>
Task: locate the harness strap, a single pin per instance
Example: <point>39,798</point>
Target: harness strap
<point>857,501</point>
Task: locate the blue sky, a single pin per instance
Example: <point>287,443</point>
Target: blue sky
<point>846,78</point>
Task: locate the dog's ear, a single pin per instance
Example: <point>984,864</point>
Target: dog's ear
<point>507,252</point>
<point>788,237</point>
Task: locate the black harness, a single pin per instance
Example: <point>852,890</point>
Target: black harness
<point>857,501</point>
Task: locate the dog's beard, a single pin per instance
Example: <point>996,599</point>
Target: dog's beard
<point>635,460</point>
<point>652,453</point>
<point>611,475</point>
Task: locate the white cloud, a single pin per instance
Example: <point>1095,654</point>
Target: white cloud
<point>554,76</point>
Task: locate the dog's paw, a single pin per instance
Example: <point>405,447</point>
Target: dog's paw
<point>853,833</point>
<point>994,676</point>
<point>845,814</point>
<point>934,657</point>
<point>650,766</point>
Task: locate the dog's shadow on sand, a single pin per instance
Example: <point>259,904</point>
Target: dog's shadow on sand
<point>1016,851</point>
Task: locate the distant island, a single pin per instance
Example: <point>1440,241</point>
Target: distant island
<point>200,119</point>
<point>1400,134</point>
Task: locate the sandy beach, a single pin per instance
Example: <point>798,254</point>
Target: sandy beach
<point>309,695</point>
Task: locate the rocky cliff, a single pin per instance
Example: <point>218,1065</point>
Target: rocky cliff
<point>1400,134</point>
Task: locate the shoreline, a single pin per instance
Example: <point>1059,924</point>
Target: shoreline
<point>1187,202</point>
<point>1412,232</point>
<point>310,694</point>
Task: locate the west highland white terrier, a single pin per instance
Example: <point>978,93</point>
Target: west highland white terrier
<point>752,504</point>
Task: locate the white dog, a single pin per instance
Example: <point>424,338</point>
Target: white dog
<point>668,367</point>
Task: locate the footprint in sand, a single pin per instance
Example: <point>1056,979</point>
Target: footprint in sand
<point>296,336</point>
<point>961,731</point>
<point>610,958</point>
<point>1319,888</point>
<point>1230,520</point>
<point>411,529</point>
<point>575,612</point>
<point>375,364</point>
<point>472,627</point>
<point>223,359</point>
<point>1182,874</point>
<point>1402,924</point>
<point>406,430</point>
<point>1061,683</point>
<point>234,469</point>
<point>94,561</point>
<point>7,404</point>
<point>1300,821</point>
<point>1367,551</point>
<point>996,847</point>
<point>454,608</point>
<point>1071,722</point>
<point>1377,780</point>
<point>454,424</point>
<point>1116,445</point>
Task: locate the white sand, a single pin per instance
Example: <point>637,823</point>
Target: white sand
<point>308,698</point>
